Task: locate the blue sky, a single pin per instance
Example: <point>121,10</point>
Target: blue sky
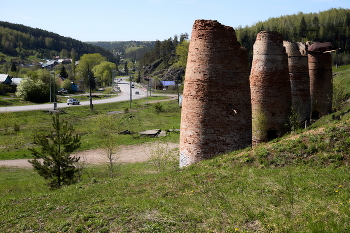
<point>147,20</point>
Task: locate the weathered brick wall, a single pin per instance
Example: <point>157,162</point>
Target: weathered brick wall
<point>299,78</point>
<point>216,107</point>
<point>270,87</point>
<point>321,85</point>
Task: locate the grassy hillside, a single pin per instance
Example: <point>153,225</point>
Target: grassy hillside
<point>298,183</point>
<point>281,186</point>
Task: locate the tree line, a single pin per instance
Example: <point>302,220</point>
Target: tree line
<point>23,41</point>
<point>332,26</point>
<point>162,49</point>
<point>132,50</point>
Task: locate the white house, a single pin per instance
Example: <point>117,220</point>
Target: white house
<point>5,79</point>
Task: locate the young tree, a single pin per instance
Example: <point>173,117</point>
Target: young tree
<point>13,67</point>
<point>126,69</point>
<point>107,130</point>
<point>58,166</point>
<point>63,73</point>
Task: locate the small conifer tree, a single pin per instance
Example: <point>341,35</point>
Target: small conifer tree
<point>57,165</point>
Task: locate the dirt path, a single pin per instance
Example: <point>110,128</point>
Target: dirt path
<point>125,154</point>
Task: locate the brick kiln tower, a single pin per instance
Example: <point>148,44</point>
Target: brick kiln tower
<point>216,108</point>
<point>299,78</point>
<point>321,85</point>
<point>270,87</point>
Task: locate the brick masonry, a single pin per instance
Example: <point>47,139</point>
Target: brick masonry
<point>299,79</point>
<point>224,108</point>
<point>270,87</point>
<point>216,107</point>
<point>321,84</point>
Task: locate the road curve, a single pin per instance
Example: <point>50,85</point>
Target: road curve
<point>124,95</point>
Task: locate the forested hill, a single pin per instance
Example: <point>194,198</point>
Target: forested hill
<point>133,50</point>
<point>23,41</point>
<point>332,25</point>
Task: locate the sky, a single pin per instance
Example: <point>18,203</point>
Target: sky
<point>148,20</point>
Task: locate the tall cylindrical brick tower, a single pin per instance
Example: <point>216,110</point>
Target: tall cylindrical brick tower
<point>216,108</point>
<point>321,84</point>
<point>299,79</point>
<point>270,87</point>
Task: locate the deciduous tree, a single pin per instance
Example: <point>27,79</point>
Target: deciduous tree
<point>182,53</point>
<point>103,72</point>
<point>87,62</point>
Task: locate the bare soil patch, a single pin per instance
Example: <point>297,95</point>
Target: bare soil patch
<point>124,154</point>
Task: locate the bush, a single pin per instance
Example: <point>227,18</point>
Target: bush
<point>158,108</point>
<point>108,90</point>
<point>5,89</point>
<point>34,91</point>
<point>67,85</point>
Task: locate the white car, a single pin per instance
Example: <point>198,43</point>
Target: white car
<point>73,102</point>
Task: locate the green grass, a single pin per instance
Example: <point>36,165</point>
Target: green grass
<point>297,183</point>
<point>206,197</point>
<point>14,144</point>
<point>342,74</point>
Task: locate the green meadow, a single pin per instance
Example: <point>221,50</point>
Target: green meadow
<point>297,183</point>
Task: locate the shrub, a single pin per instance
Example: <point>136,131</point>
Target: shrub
<point>5,89</point>
<point>35,91</point>
<point>158,108</point>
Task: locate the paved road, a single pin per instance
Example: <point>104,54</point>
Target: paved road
<point>123,96</point>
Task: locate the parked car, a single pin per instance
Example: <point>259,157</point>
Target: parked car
<point>73,102</point>
<point>62,91</point>
<point>137,93</point>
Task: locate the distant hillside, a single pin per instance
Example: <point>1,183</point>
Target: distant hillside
<point>23,41</point>
<point>133,50</point>
<point>332,25</point>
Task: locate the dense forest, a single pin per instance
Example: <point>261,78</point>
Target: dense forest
<point>22,41</point>
<point>132,50</point>
<point>332,25</point>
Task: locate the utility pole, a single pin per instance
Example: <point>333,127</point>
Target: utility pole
<point>130,90</point>
<point>52,73</point>
<point>90,87</point>
<point>54,93</point>
<point>147,79</point>
<point>177,88</point>
<point>50,87</point>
